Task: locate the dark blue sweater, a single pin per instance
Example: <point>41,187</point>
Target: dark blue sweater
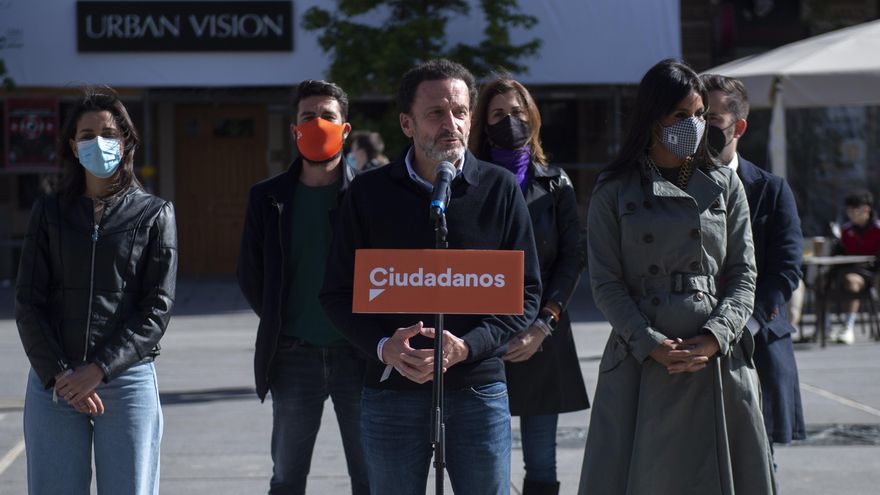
<point>386,209</point>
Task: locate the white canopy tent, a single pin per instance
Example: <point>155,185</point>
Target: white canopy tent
<point>840,68</point>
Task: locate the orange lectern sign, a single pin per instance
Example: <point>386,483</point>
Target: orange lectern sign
<point>449,281</point>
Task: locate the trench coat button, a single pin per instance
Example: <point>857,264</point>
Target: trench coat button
<point>695,265</point>
<point>655,301</point>
<point>695,233</point>
<point>630,206</point>
<point>647,205</point>
<point>654,269</point>
<point>698,296</point>
<point>716,203</point>
<point>648,238</point>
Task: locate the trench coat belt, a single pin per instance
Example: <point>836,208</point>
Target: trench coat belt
<point>676,282</point>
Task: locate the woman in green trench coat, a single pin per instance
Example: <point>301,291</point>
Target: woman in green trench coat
<point>677,405</point>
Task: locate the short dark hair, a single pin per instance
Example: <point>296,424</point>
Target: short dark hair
<point>312,87</point>
<point>73,175</point>
<point>370,142</point>
<point>859,198</point>
<point>737,97</point>
<point>433,70</point>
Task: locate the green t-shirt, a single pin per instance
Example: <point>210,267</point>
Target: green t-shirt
<point>303,316</point>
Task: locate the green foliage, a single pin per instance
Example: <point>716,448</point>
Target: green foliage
<point>370,59</point>
<point>496,52</point>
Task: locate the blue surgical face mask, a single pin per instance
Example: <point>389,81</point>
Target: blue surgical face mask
<point>100,156</point>
<point>351,162</point>
<point>683,138</point>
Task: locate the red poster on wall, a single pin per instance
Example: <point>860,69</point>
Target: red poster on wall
<point>31,133</point>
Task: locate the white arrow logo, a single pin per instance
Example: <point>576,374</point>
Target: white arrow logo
<point>374,293</point>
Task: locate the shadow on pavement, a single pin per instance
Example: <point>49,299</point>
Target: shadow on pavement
<point>211,395</point>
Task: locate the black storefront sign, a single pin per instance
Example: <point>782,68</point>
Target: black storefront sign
<point>184,26</point>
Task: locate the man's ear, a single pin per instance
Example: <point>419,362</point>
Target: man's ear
<point>739,128</point>
<point>346,130</point>
<point>406,125</point>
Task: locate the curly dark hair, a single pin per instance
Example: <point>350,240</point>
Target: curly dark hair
<point>433,70</point>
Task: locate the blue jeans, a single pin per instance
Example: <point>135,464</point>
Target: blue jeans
<point>303,378</point>
<point>397,428</point>
<point>539,446</point>
<point>126,438</point>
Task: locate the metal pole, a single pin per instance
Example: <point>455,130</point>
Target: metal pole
<point>438,426</point>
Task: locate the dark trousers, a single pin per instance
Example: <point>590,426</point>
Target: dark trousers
<point>304,377</point>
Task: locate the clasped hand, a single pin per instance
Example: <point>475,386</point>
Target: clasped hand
<point>418,364</point>
<point>525,345</point>
<point>78,389</point>
<point>685,355</point>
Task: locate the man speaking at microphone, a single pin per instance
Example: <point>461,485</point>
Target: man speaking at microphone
<point>389,208</point>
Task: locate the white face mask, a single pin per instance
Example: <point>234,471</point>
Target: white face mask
<point>100,156</point>
<point>683,137</point>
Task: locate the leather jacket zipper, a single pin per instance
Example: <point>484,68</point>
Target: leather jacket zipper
<point>280,207</point>
<point>91,293</point>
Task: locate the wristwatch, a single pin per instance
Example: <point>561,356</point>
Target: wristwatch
<point>546,322</point>
<point>550,320</point>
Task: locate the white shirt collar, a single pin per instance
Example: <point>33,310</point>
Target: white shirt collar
<point>734,162</point>
<point>459,165</point>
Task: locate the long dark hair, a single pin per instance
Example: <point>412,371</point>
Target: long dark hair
<point>73,175</point>
<point>478,141</point>
<point>660,91</point>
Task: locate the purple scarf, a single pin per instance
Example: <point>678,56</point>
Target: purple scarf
<point>517,161</point>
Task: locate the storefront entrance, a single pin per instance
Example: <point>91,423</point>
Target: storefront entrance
<point>220,151</point>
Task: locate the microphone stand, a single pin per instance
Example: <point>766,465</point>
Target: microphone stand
<point>438,426</point>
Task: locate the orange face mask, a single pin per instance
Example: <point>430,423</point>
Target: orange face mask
<point>319,140</point>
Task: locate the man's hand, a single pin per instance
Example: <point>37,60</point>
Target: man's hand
<point>414,364</point>
<point>454,349</point>
<point>80,384</point>
<point>525,345</point>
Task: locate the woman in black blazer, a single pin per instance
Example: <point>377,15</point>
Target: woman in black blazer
<point>543,373</point>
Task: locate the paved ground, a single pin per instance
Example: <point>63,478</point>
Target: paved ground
<point>217,433</point>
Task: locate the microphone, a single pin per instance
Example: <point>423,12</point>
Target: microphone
<point>445,172</point>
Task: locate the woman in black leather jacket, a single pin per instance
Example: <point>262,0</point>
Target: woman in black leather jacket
<point>543,372</point>
<point>93,297</point>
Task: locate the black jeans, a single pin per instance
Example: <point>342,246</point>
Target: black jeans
<point>303,379</point>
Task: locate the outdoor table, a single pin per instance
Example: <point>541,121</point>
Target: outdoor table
<point>823,264</point>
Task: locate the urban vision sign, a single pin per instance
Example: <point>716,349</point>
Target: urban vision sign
<point>184,26</point>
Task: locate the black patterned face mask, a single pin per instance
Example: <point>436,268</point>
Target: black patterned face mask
<point>509,133</point>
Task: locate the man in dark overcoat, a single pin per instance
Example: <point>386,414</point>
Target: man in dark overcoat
<point>776,231</point>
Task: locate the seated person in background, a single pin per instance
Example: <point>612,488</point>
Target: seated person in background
<point>860,236</point>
